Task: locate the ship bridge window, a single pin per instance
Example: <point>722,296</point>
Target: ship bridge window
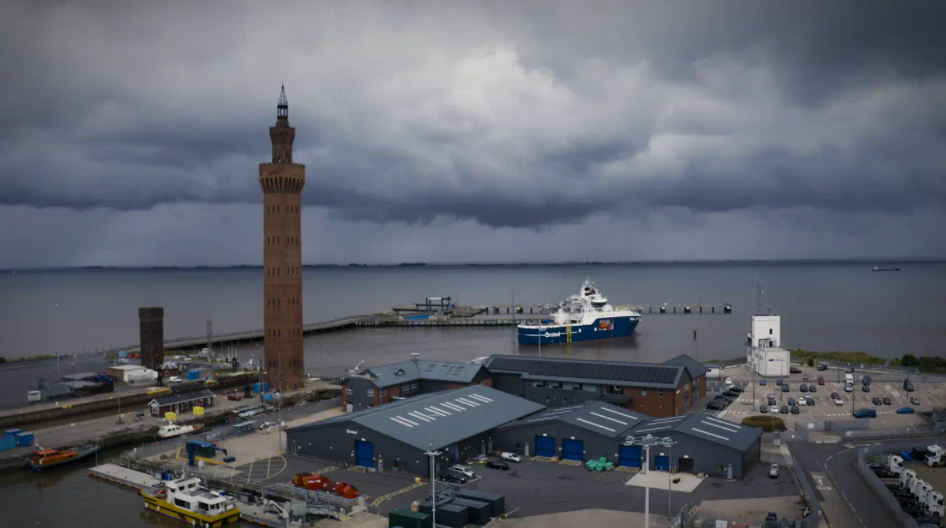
<point>182,503</point>
<point>203,506</point>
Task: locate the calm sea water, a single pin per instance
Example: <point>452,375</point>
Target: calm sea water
<point>823,307</point>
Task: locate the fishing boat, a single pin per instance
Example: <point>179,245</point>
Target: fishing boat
<point>876,268</point>
<point>44,459</point>
<point>586,316</point>
<point>186,500</point>
<point>171,430</point>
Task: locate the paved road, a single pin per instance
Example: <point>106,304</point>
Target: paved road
<point>847,500</point>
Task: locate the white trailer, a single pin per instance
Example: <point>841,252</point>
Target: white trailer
<point>907,478</point>
<point>934,505</point>
<point>894,465</point>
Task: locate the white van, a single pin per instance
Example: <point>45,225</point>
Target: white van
<point>849,378</point>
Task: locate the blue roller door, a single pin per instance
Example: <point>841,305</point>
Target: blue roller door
<point>364,454</point>
<point>573,450</point>
<point>545,446</point>
<point>629,456</point>
<point>662,463</point>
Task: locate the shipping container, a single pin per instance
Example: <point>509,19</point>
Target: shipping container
<point>496,502</point>
<point>12,432</point>
<point>479,512</point>
<point>193,374</point>
<point>7,442</point>
<point>24,439</point>
<point>453,516</point>
<point>260,387</point>
<point>409,519</point>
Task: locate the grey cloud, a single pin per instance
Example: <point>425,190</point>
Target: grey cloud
<point>522,115</point>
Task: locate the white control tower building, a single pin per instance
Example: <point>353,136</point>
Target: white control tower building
<point>764,354</point>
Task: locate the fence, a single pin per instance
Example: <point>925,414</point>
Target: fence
<point>878,486</point>
<point>814,516</point>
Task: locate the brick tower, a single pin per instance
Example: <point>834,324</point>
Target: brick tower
<point>282,182</point>
<point>151,334</point>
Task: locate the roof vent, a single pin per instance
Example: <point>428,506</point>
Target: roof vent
<point>414,356</point>
<point>399,372</point>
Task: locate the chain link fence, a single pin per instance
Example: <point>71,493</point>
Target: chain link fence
<point>878,486</point>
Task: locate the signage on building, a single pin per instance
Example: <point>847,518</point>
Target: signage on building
<point>349,431</point>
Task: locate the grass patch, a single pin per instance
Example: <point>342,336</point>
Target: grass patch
<point>26,358</point>
<point>928,364</point>
<point>767,423</point>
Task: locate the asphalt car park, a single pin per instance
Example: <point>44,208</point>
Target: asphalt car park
<point>931,394</point>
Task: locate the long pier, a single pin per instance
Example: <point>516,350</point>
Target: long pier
<point>665,308</point>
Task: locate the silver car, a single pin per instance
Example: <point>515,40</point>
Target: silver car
<point>773,471</point>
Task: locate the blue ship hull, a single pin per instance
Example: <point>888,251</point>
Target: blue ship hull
<point>602,328</point>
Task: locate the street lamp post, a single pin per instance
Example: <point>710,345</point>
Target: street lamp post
<point>433,486</point>
<point>646,442</point>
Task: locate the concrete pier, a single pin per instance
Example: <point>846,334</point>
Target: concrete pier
<point>124,476</point>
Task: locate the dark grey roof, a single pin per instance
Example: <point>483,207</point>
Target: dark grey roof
<point>647,375</point>
<point>178,398</point>
<point>719,431</point>
<point>695,368</point>
<point>413,370</point>
<point>439,419</point>
<point>598,417</point>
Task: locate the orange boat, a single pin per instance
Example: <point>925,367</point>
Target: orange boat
<point>49,458</point>
<point>311,482</point>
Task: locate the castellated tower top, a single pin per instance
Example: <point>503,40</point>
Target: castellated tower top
<point>282,135</point>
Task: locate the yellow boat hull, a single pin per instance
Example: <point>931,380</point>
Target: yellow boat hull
<point>193,518</point>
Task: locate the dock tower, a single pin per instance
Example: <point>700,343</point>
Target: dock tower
<point>282,182</point>
<point>764,354</point>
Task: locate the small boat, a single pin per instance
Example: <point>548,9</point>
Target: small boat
<point>171,430</point>
<point>186,500</point>
<point>884,269</point>
<point>44,459</point>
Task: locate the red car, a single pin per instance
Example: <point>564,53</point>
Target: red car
<point>820,380</point>
<point>235,396</point>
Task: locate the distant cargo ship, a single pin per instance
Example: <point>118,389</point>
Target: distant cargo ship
<point>583,317</point>
<point>884,269</point>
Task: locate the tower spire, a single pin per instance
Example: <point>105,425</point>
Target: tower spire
<point>282,107</point>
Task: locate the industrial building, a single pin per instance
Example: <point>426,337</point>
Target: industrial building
<point>379,385</point>
<point>659,390</point>
<point>704,444</point>
<point>131,373</point>
<point>181,403</point>
<point>457,423</point>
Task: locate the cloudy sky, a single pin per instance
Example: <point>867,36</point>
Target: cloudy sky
<point>474,131</point>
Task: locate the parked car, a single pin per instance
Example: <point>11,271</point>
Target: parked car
<point>822,368</point>
<point>497,464</point>
<point>728,381</point>
<point>888,401</point>
<point>866,379</point>
<point>773,471</point>
<point>510,457</point>
<point>464,469</point>
<point>803,388</point>
<point>865,413</point>
<point>791,401</point>
<point>908,386</point>
<point>794,370</point>
<point>175,379</point>
<point>731,394</point>
<point>715,406</point>
<point>764,409</point>
<point>737,390</point>
<point>837,401</point>
<point>773,409</point>
<point>877,401</point>
<point>453,477</point>
<point>795,409</point>
<point>784,409</point>
<point>915,400</point>
<point>820,380</point>
<point>234,396</point>
<point>763,382</point>
<point>812,388</point>
<point>802,402</point>
<point>850,370</point>
<point>778,381</point>
<point>865,388</point>
<point>848,387</point>
<point>835,395</point>
<point>786,388</point>
<point>906,410</point>
<point>810,401</point>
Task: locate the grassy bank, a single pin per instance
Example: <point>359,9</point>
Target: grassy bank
<point>26,358</point>
<point>927,364</point>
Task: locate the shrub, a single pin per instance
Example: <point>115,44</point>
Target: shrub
<point>767,423</point>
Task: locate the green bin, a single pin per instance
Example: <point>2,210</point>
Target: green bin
<point>410,519</point>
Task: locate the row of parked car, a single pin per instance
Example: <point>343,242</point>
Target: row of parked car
<point>460,474</point>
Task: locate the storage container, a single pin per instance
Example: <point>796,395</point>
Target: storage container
<point>24,439</point>
<point>478,512</point>
<point>193,374</point>
<point>409,519</point>
<point>497,502</point>
<point>198,411</point>
<point>12,432</point>
<point>7,442</point>
<point>453,516</point>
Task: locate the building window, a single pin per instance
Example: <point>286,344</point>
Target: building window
<point>572,386</point>
<point>770,331</point>
<point>660,394</point>
<point>589,388</point>
<point>643,392</point>
<point>370,392</point>
<point>349,392</point>
<point>381,392</point>
<point>555,385</point>
<point>538,384</point>
<point>614,390</point>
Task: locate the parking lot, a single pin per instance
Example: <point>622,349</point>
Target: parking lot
<point>931,394</point>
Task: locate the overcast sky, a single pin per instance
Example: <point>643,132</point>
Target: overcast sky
<point>474,131</point>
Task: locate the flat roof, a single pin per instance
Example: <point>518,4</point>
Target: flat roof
<point>126,367</point>
<point>187,396</point>
<point>621,373</point>
<point>422,369</point>
<point>438,419</point>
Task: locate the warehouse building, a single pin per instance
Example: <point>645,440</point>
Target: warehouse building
<point>458,423</point>
<point>593,430</point>
<point>181,403</point>
<point>379,385</point>
<point>658,390</point>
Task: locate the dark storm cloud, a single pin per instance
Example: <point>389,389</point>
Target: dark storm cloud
<point>518,114</point>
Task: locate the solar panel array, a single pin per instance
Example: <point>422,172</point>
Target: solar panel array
<point>610,371</point>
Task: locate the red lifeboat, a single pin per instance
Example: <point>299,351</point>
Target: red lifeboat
<point>311,482</point>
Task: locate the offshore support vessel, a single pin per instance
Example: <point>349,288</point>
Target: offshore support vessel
<point>186,500</point>
<point>586,316</point>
